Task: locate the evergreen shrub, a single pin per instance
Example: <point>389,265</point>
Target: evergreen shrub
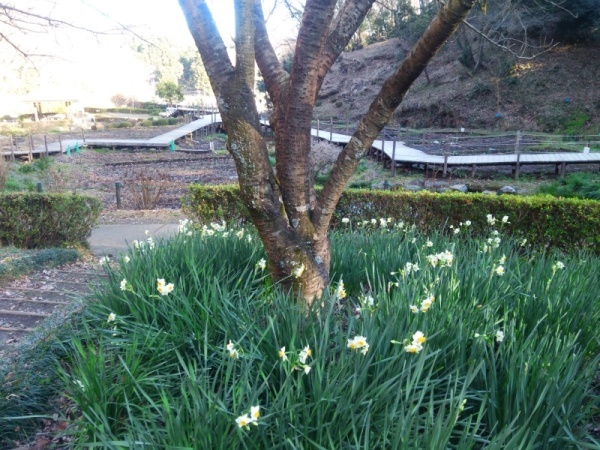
<point>543,220</point>
<point>40,220</point>
<point>160,122</point>
<point>120,125</point>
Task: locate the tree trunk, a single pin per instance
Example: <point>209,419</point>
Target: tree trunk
<point>291,220</point>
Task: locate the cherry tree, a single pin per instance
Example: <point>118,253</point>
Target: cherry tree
<point>290,216</point>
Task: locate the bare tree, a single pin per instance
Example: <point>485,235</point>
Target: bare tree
<point>290,217</point>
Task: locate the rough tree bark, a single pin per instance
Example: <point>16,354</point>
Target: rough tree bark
<point>290,217</point>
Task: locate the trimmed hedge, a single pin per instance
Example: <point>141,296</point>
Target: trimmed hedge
<point>214,203</point>
<point>34,220</point>
<point>544,221</point>
<point>120,124</point>
<point>159,122</point>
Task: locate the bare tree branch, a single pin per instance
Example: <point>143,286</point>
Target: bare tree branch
<point>303,88</point>
<point>46,20</point>
<point>209,42</point>
<point>9,42</point>
<point>385,103</point>
<point>344,26</point>
<point>27,21</point>
<point>244,41</point>
<point>508,48</point>
<point>276,79</point>
<point>559,6</point>
<point>295,13</point>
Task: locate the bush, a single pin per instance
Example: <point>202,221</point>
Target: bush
<point>27,168</point>
<point>147,187</point>
<point>126,110</point>
<point>13,185</point>
<point>214,203</point>
<point>120,125</point>
<point>35,220</point>
<point>3,172</point>
<point>160,122</point>
<point>575,125</point>
<point>544,221</point>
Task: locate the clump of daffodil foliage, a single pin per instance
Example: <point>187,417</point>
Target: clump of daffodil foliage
<point>430,341</point>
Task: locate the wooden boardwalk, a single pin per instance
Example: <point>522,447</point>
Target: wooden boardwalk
<point>406,155</point>
<point>162,141</point>
<point>389,151</point>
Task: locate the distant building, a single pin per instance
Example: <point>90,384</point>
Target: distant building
<point>43,107</point>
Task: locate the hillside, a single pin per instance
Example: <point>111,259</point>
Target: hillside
<point>558,91</point>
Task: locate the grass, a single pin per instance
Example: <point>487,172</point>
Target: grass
<point>147,369</point>
<point>25,176</point>
<point>577,185</point>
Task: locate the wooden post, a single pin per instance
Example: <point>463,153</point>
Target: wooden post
<point>445,160</point>
<point>473,169</point>
<point>60,144</point>
<point>394,158</point>
<point>423,140</point>
<point>330,129</point>
<point>46,145</point>
<point>82,136</point>
<point>445,165</point>
<point>383,155</point>
<point>118,191</point>
<point>563,169</point>
<point>318,126</point>
<point>39,187</point>
<point>517,152</point>
<point>12,147</point>
<point>30,148</point>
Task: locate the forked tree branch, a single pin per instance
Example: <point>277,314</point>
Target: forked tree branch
<point>296,109</point>
<point>385,103</point>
